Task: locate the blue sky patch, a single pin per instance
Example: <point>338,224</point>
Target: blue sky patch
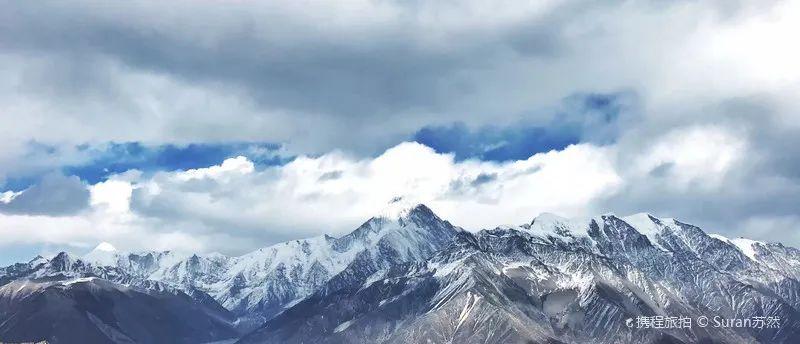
<point>493,143</point>
<point>581,118</point>
<point>94,163</point>
<point>120,157</point>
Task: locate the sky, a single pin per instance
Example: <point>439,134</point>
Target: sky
<point>206,126</point>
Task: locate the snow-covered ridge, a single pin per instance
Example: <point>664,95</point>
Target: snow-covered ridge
<point>265,282</point>
<point>548,224</point>
<point>746,246</point>
<point>325,255</point>
<point>271,278</point>
<point>655,229</point>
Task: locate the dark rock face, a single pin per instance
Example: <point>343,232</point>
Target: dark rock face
<point>92,310</point>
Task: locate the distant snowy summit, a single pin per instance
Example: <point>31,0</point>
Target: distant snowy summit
<point>103,254</point>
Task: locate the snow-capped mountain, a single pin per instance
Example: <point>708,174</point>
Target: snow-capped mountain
<point>559,280</point>
<point>406,275</point>
<point>262,283</point>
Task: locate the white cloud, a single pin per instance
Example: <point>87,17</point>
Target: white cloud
<point>759,48</point>
<point>7,196</point>
<point>113,195</point>
<point>230,168</point>
<point>692,156</point>
<point>235,207</point>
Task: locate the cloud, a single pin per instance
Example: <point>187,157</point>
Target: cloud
<point>54,195</point>
<point>716,176</point>
<point>706,174</point>
<point>367,75</point>
<point>332,175</point>
<point>286,202</point>
<point>701,175</point>
<point>484,178</point>
<point>234,207</point>
<point>568,106</point>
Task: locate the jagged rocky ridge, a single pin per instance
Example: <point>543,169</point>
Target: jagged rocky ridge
<point>409,276</point>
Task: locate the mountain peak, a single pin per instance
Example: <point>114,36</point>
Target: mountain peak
<point>37,260</point>
<point>61,256</point>
<point>103,254</point>
<point>105,247</point>
<point>548,218</point>
<point>400,207</point>
<point>61,262</point>
<point>399,215</point>
<point>552,224</point>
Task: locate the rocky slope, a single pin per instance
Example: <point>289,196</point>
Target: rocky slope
<point>63,308</point>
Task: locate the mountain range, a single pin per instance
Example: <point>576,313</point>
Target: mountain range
<point>408,276</point>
